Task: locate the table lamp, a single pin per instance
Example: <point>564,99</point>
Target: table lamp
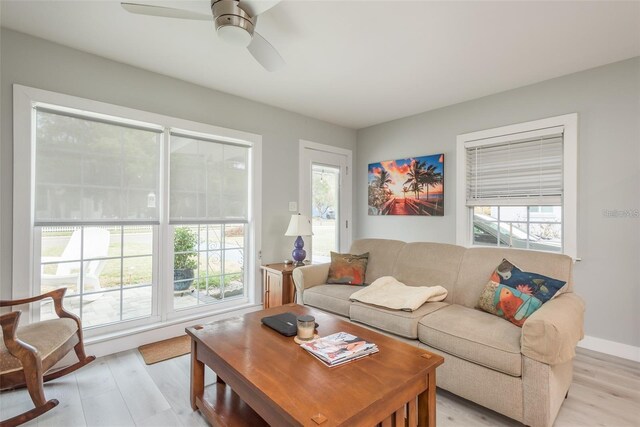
<point>300,225</point>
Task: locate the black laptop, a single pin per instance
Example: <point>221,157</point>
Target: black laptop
<point>285,323</point>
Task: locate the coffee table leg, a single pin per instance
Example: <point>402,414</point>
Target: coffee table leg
<point>427,404</point>
<point>197,376</point>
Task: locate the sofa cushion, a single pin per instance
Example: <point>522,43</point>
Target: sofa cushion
<point>383,254</point>
<point>403,323</point>
<point>429,264</point>
<point>347,269</point>
<point>46,336</point>
<point>332,298</point>
<point>478,264</point>
<point>475,336</point>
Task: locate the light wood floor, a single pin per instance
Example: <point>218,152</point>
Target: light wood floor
<point>120,390</point>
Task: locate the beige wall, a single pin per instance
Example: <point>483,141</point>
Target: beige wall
<point>38,63</point>
<point>607,100</point>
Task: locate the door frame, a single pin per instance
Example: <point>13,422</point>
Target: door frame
<point>346,187</point>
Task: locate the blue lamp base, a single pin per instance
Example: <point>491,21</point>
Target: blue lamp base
<point>299,254</point>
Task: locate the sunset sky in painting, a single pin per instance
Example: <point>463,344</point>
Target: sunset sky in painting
<point>398,171</point>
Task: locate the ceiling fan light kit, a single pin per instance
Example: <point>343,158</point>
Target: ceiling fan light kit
<point>233,24</point>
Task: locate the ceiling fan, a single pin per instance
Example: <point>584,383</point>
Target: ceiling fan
<point>235,22</point>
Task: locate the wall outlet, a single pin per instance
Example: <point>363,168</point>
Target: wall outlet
<point>293,206</point>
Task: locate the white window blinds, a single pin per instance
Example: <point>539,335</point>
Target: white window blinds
<point>209,181</point>
<point>94,170</point>
<point>525,171</point>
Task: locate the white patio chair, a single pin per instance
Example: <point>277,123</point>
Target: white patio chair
<point>96,245</point>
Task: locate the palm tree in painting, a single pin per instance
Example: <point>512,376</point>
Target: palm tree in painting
<point>383,179</point>
<point>405,190</point>
<point>374,195</point>
<point>430,178</point>
<point>379,191</point>
<point>415,187</point>
<point>415,175</point>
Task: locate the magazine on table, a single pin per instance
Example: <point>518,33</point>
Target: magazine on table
<point>339,348</point>
<point>343,361</point>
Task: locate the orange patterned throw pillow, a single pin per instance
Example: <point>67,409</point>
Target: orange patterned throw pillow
<point>347,269</point>
<point>515,294</point>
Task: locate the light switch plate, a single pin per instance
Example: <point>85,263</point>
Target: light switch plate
<point>293,206</point>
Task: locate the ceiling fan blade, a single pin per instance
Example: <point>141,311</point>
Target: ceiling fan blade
<point>264,53</point>
<point>256,7</point>
<point>165,12</point>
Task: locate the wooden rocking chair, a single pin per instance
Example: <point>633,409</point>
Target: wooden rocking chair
<point>28,352</point>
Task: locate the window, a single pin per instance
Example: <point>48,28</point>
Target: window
<point>518,227</point>
<point>107,270</point>
<point>143,217</point>
<point>93,176</point>
<point>517,186</point>
<point>217,259</point>
<point>209,206</point>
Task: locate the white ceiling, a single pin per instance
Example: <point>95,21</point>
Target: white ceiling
<point>354,63</point>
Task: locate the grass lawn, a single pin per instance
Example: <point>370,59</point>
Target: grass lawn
<point>137,265</point>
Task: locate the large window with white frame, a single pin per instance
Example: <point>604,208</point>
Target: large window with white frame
<point>142,217</point>
<point>517,186</point>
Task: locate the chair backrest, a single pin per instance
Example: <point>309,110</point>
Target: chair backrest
<point>96,241</point>
<point>96,245</point>
<point>71,251</point>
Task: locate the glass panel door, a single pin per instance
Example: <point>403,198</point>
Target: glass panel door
<point>325,196</point>
<point>325,211</point>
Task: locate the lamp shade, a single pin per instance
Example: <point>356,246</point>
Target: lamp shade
<point>300,225</point>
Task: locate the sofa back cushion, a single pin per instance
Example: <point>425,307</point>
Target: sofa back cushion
<point>429,264</point>
<point>382,256</point>
<point>478,264</point>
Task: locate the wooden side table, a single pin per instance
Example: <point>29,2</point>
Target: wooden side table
<point>277,284</point>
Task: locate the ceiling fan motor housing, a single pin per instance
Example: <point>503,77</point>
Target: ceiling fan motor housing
<point>233,24</point>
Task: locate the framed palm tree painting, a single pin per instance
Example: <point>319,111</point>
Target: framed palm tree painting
<point>412,186</point>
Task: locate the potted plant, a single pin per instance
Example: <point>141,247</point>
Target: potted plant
<point>184,240</point>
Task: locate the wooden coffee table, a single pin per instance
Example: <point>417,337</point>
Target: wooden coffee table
<point>264,378</point>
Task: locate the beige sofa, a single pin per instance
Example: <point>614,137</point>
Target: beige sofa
<point>523,373</point>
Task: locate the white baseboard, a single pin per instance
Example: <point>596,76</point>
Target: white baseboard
<point>613,348</point>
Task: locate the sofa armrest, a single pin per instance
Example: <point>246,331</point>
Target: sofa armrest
<point>308,276</point>
<point>552,332</point>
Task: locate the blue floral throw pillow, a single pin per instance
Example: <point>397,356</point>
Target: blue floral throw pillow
<point>515,294</point>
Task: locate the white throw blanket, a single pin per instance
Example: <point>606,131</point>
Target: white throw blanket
<point>390,293</point>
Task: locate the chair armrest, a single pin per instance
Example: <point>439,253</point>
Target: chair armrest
<point>309,276</point>
<point>57,296</point>
<point>19,349</point>
<point>552,332</point>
